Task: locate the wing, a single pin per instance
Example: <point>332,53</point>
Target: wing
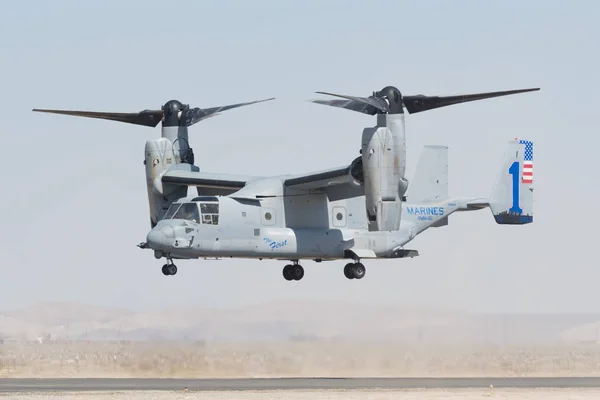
<point>207,183</point>
<point>338,183</point>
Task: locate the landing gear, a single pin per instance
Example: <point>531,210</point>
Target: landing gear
<point>293,272</point>
<point>169,268</point>
<point>354,271</point>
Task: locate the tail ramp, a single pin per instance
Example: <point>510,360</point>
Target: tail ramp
<point>511,200</point>
<point>430,182</point>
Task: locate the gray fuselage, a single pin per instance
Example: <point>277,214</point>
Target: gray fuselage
<point>222,226</point>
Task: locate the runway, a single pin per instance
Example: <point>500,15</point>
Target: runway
<point>126,384</point>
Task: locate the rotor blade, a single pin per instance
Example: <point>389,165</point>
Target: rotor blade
<point>418,103</point>
<point>147,117</point>
<point>353,105</point>
<point>376,103</point>
<point>198,114</point>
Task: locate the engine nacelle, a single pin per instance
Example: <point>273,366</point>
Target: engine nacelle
<point>159,158</point>
<point>356,175</point>
<point>384,166</point>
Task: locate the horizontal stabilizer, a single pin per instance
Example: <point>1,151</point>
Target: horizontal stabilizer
<point>440,223</point>
<point>477,205</point>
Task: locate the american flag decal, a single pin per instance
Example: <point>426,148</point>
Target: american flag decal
<point>527,162</point>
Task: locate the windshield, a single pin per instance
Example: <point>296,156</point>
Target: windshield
<point>171,210</point>
<point>188,211</point>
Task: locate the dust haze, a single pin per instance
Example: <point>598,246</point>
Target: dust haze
<point>299,339</point>
<point>451,394</point>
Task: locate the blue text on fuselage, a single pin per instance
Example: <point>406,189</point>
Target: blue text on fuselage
<point>425,213</point>
<point>274,244</point>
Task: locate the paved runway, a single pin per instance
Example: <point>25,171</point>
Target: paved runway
<point>101,384</point>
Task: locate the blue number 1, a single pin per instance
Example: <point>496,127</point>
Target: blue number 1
<point>514,171</point>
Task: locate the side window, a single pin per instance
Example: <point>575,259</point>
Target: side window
<point>188,211</point>
<point>339,216</point>
<point>268,216</point>
<point>210,213</point>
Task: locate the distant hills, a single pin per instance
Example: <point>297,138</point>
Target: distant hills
<point>293,321</point>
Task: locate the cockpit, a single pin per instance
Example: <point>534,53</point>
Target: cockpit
<point>204,210</point>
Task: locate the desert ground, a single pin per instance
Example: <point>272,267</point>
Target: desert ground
<point>66,340</point>
<point>315,358</point>
<point>458,394</point>
<point>292,339</point>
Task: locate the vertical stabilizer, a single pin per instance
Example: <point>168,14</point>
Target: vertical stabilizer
<point>511,201</point>
<point>430,181</point>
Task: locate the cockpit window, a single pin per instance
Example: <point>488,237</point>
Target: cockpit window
<point>188,211</point>
<point>208,208</point>
<point>171,211</point>
<point>210,213</point>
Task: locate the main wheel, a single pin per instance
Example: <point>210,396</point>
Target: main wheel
<point>348,271</point>
<point>172,269</point>
<point>165,270</point>
<point>297,272</point>
<point>287,272</point>
<point>358,271</point>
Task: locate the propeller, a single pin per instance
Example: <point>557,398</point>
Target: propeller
<point>173,113</point>
<point>389,100</point>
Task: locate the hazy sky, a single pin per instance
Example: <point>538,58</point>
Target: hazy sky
<point>74,201</point>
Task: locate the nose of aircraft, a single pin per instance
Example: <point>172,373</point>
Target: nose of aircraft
<point>154,238</point>
<point>160,236</point>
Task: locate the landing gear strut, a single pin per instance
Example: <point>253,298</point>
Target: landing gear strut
<point>293,272</point>
<point>169,268</point>
<point>354,271</point>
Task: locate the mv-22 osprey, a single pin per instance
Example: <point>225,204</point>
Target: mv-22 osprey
<point>358,211</point>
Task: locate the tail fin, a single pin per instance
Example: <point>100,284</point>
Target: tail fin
<point>511,201</point>
<point>430,182</point>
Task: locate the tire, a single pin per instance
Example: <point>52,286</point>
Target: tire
<point>358,271</point>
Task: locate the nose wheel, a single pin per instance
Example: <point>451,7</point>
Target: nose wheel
<point>354,271</point>
<point>293,272</point>
<point>169,269</point>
